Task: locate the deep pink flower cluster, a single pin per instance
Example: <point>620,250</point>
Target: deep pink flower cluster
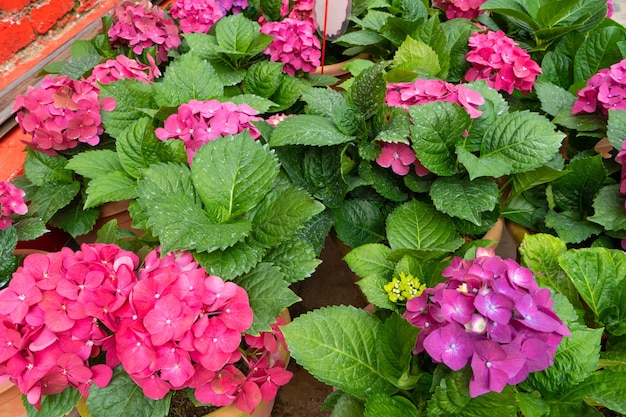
<point>196,16</point>
<point>141,25</point>
<point>400,157</point>
<point>610,8</point>
<point>123,67</point>
<point>468,9</point>
<point>232,6</point>
<point>499,60</point>
<point>61,112</point>
<point>424,91</point>
<point>295,44</point>
<point>11,202</point>
<point>490,313</point>
<point>199,122</point>
<point>605,90</point>
<point>54,315</point>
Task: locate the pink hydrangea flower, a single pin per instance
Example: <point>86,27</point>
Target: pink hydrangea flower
<point>491,314</point>
<point>605,90</point>
<point>123,67</point>
<point>621,159</point>
<point>295,44</point>
<point>61,113</point>
<point>11,202</point>
<point>232,6</point>
<point>199,122</point>
<point>398,156</point>
<point>141,25</point>
<point>499,60</point>
<point>468,9</point>
<point>197,16</point>
<point>610,9</point>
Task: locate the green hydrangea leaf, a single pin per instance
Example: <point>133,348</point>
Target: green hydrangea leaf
<point>396,343</point>
<point>554,98</point>
<point>134,102</point>
<point>458,32</point>
<point>288,92</point>
<point>236,33</point>
<point>599,274</point>
<point>371,259</point>
<point>92,164</point>
<point>379,405</point>
<point>609,209</point>
<point>75,219</point>
<point>269,295</point>
<point>437,129</point>
<point>234,261</point>
<point>337,345</point>
<point>279,216</point>
<point>50,198</point>
<point>323,101</point>
<point>55,405</point>
<point>232,175</point>
<point>616,128</point>
<point>515,9</point>
<point>187,78</point>
<point>123,397</point>
<point>540,253</point>
<point>494,106</point>
<point>570,229</point>
<point>262,78</point>
<point>114,186</point>
<point>205,46</point>
<point>8,262</point>
<point>531,405</point>
<point>344,405</point>
<point>599,50</point>
<point>359,221</point>
<point>42,169</point>
<point>465,199</point>
<point>295,258</point>
<point>605,388</point>
<point>368,91</point>
<point>30,228</point>
<point>577,190</point>
<point>372,288</point>
<point>138,149</point>
<point>419,226</point>
<point>557,68</point>
<point>417,56</point>
<point>307,129</point>
<point>526,180</point>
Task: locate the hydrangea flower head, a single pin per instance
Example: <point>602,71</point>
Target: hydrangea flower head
<point>489,314</point>
<point>123,67</point>
<point>398,156</point>
<point>498,59</point>
<point>295,44</point>
<point>141,25</point>
<point>605,90</point>
<point>61,113</point>
<point>197,16</point>
<point>199,122</point>
<point>11,202</point>
<point>405,288</point>
<point>232,6</point>
<point>468,9</point>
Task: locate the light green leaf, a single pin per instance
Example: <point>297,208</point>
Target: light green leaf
<point>186,78</point>
<point>344,405</point>
<point>262,78</point>
<point>50,198</point>
<point>609,209</point>
<point>308,130</point>
<point>417,56</point>
<point>28,228</point>
<point>570,229</point>
<point>367,92</point>
<point>232,175</point>
<point>337,345</point>
<point>114,186</point>
<point>92,164</point>
<point>554,98</point>
<point>233,261</point>
<point>236,32</point>
<point>465,199</point>
<point>371,259</point>
<point>138,149</point>
<point>526,180</point>
<point>599,274</point>
<point>483,166</point>
<point>42,169</point>
<point>605,388</point>
<point>288,92</point>
<point>599,50</point>
<point>515,9</point>
<point>372,287</point>
<point>419,226</point>
<point>323,101</point>
<point>295,259</point>
<point>123,397</point>
<point>531,405</point>
<point>380,405</point>
<point>616,128</point>
<point>437,129</point>
<point>269,295</point>
<point>394,350</point>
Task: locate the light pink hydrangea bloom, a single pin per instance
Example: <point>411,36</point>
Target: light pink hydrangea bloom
<point>61,112</point>
<point>232,6</point>
<point>199,122</point>
<point>295,44</point>
<point>123,67</point>
<point>605,90</point>
<point>468,9</point>
<point>499,60</point>
<point>141,25</point>
<point>11,202</point>
<point>398,156</point>
<point>196,16</point>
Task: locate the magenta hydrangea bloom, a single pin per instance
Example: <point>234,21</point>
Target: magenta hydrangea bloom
<point>141,25</point>
<point>197,16</point>
<point>232,6</point>
<point>398,156</point>
<point>468,9</point>
<point>605,90</point>
<point>123,67</point>
<point>491,314</point>
<point>199,122</point>
<point>61,113</point>
<point>11,203</point>
<point>498,59</point>
<point>295,44</point>
<point>610,8</point>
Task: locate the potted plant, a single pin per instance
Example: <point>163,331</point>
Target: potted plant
<point>457,333</point>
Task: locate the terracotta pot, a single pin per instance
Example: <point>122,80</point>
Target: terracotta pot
<point>114,210</point>
<point>337,70</point>
<point>517,231</point>
<point>11,404</point>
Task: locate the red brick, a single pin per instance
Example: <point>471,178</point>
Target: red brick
<point>13,5</point>
<point>47,15</point>
<point>86,5</point>
<point>14,35</point>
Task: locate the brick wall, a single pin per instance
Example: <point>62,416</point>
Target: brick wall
<point>24,23</point>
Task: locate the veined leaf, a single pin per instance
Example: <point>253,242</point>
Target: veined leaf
<point>233,261</point>
<point>295,258</point>
<point>380,405</point>
<point>616,128</point>
<point>114,186</point>
<point>323,101</point>
<point>599,50</point>
<point>308,130</point>
<point>609,208</point>
<point>138,149</point>
<point>42,169</point>
<point>262,78</point>
<point>371,259</point>
<point>605,388</point>
<point>359,221</point>
<point>92,164</point>
<point>236,33</point>
<point>50,198</point>
<point>417,56</point>
<point>368,91</point>
<point>465,199</point>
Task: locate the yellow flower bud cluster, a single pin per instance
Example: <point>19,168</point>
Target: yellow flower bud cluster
<point>405,288</point>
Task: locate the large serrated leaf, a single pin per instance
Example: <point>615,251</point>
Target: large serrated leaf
<point>55,405</point>
<point>465,199</point>
<point>576,190</point>
<point>609,208</point>
<point>295,258</point>
<point>233,261</point>
<point>232,175</point>
<point>138,149</point>
<point>359,221</point>
<point>262,78</point>
<point>323,101</point>
<point>50,198</point>
<point>337,345</point>
<point>419,226</point>
<point>92,164</point>
<point>437,129</point>
<point>269,295</point>
<point>307,129</point>
<point>380,405</point>
<point>554,98</point>
<point>605,388</point>
<point>42,169</point>
<point>417,56</point>
<point>599,50</point>
<point>187,78</point>
<point>569,228</point>
<point>368,91</point>
<point>616,128</point>
<point>371,259</point>
<point>236,33</point>
<point>75,219</point>
<point>113,186</point>
<point>397,341</point>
